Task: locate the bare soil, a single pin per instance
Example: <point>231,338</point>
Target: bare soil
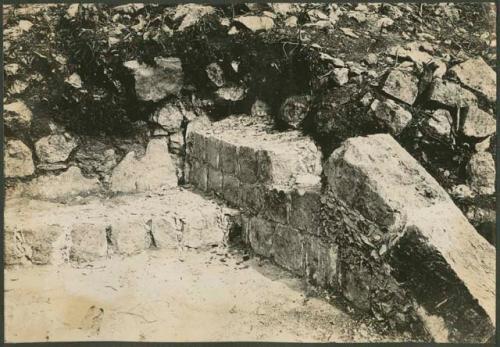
<point>171,295</point>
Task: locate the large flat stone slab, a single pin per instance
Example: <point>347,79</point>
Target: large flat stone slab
<point>433,250</point>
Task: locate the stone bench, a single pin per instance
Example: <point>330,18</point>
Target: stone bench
<point>44,232</point>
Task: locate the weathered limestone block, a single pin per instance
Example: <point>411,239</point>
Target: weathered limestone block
<point>277,205</point>
<point>201,228</point>
<point>213,149</point>
<point>252,196</point>
<point>260,235</point>
<point>434,251</point>
<point>321,262</point>
<point>254,152</point>
<point>94,156</point>
<point>154,170</point>
<point>305,209</point>
<point>231,189</point>
<point>228,158</point>
<point>60,187</point>
<point>88,241</point>
<point>288,248</point>
<point>247,165</point>
<point>130,234</point>
<point>479,76</point>
<point>294,110</point>
<point>198,175</point>
<point>18,159</point>
<point>214,181</point>
<point>155,83</point>
<point>37,244</point>
<point>55,148</point>
<point>166,231</point>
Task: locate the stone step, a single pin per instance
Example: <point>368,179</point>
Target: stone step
<point>273,177</point>
<point>42,232</point>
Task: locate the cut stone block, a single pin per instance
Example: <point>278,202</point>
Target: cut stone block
<point>213,149</point>
<point>435,252</point>
<point>288,248</point>
<point>277,205</point>
<point>247,165</point>
<point>198,175</point>
<point>321,262</point>
<point>228,158</point>
<point>272,157</point>
<point>305,209</point>
<point>215,180</point>
<point>231,189</point>
<point>130,235</point>
<point>88,242</point>
<point>35,243</point>
<point>166,231</point>
<point>260,236</point>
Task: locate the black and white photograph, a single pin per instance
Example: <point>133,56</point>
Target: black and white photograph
<point>249,172</point>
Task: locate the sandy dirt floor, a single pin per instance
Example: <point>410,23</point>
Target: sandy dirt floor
<point>211,295</point>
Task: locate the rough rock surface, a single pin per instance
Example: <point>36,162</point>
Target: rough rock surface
<point>17,115</point>
<point>154,170</point>
<point>169,117</point>
<point>481,172</point>
<point>478,123</point>
<point>62,187</point>
<point>451,94</point>
<point>55,148</point>
<point>402,86</point>
<point>96,157</point>
<point>294,110</point>
<point>391,115</point>
<point>18,159</point>
<point>451,261</point>
<point>155,83</point>
<point>438,125</point>
<point>256,23</point>
<point>478,76</point>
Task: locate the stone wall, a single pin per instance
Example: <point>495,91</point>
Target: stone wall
<point>381,231</point>
<point>274,179</point>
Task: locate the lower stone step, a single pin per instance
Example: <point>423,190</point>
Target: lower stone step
<point>42,232</point>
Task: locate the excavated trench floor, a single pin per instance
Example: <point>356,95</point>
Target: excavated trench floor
<point>169,295</point>
<point>213,293</point>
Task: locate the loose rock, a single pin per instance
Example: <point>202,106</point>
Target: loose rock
<point>391,115</point>
<point>155,83</point>
<point>256,23</point>
<point>169,117</point>
<point>402,86</point>
<point>153,171</point>
<point>478,123</point>
<point>232,93</point>
<point>215,74</point>
<point>451,94</point>
<point>18,159</point>
<point>481,172</point>
<point>477,75</point>
<point>439,124</point>
<point>17,115</point>
<point>294,110</point>
<point>341,76</point>
<point>55,148</point>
